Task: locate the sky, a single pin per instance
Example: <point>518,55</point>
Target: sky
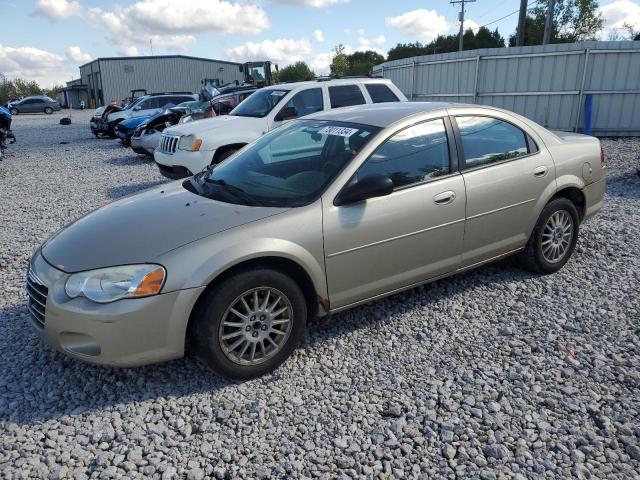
<point>46,40</point>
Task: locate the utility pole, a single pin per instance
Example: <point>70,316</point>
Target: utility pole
<point>521,18</point>
<point>151,45</point>
<point>461,18</point>
<point>548,24</point>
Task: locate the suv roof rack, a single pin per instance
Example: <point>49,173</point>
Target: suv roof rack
<point>169,93</point>
<point>328,78</point>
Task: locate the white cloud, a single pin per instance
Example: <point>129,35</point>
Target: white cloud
<point>35,64</point>
<point>619,13</point>
<point>320,63</point>
<point>361,31</point>
<point>130,51</point>
<point>347,31</point>
<point>318,35</point>
<point>421,24</point>
<point>58,9</point>
<point>379,40</point>
<point>371,44</point>
<point>310,3</point>
<point>75,55</point>
<point>169,24</point>
<point>468,24</point>
<point>283,51</point>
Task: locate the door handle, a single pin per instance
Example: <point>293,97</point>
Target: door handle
<point>540,171</point>
<point>444,198</point>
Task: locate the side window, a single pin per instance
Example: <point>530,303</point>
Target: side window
<point>345,95</point>
<point>153,102</point>
<point>487,140</point>
<point>413,155</point>
<point>31,100</point>
<point>307,101</point>
<point>380,93</point>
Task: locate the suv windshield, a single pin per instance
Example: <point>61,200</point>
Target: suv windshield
<point>260,103</point>
<point>288,167</point>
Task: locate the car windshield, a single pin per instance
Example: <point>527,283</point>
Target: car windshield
<point>260,103</point>
<point>289,167</point>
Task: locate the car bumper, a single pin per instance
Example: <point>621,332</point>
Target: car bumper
<point>190,162</point>
<point>594,197</point>
<point>124,333</point>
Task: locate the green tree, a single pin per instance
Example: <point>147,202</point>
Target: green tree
<point>340,62</point>
<point>296,72</point>
<point>483,38</point>
<point>573,21</point>
<point>361,63</point>
<point>18,87</point>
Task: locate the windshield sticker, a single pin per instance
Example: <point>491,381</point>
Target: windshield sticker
<point>279,93</point>
<point>338,131</point>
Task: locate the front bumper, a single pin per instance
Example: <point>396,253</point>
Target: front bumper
<point>125,333</point>
<point>191,162</point>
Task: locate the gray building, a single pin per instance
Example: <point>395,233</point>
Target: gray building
<point>113,78</point>
<point>566,86</point>
<point>74,94</point>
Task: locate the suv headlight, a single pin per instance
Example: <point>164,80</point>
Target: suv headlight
<point>107,285</point>
<point>189,143</point>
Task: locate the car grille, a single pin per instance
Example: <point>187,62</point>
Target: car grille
<point>168,143</point>
<point>37,297</point>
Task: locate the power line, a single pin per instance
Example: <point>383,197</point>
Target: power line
<point>506,16</point>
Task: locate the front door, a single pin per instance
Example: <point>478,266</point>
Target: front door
<point>505,175</point>
<point>407,237</point>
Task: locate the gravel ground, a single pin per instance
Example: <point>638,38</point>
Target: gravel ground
<point>496,373</point>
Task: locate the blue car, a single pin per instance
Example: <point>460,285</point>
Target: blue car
<point>124,130</point>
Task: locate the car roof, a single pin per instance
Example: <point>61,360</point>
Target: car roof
<point>379,114</point>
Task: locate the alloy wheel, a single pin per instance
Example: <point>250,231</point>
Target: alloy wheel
<point>256,326</point>
<point>557,236</point>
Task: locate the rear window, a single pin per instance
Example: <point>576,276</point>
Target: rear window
<point>345,96</point>
<point>381,93</point>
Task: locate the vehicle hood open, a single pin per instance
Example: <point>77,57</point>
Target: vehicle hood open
<point>216,123</point>
<point>140,228</point>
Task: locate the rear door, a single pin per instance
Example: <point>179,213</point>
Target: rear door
<point>32,105</point>
<point>505,172</point>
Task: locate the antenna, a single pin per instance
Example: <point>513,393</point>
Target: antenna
<point>151,45</point>
<point>461,18</point>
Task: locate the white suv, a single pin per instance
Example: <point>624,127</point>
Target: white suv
<point>187,148</point>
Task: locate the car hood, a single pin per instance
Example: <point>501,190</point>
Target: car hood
<point>140,228</point>
<point>215,123</point>
<point>135,121</point>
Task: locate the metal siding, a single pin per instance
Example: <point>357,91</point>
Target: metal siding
<point>532,71</point>
<point>159,75</point>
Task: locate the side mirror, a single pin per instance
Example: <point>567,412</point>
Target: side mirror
<point>287,113</point>
<point>371,186</point>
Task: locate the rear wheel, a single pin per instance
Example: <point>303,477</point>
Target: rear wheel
<point>48,110</point>
<point>249,324</point>
<point>553,239</point>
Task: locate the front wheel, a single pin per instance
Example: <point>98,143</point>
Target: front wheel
<point>48,110</point>
<point>250,324</point>
<point>553,239</point>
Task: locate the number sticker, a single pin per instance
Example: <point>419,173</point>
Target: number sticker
<point>338,131</point>
<point>279,93</point>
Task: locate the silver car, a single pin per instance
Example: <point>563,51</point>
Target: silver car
<point>322,214</point>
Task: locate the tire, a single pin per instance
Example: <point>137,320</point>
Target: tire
<point>214,320</point>
<point>540,258</point>
<point>14,111</point>
<point>48,110</point>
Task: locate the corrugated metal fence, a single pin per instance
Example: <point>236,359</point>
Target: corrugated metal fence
<point>547,83</point>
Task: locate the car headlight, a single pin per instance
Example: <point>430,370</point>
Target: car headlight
<point>189,143</point>
<point>107,285</point>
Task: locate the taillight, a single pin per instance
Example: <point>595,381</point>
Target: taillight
<point>601,157</point>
